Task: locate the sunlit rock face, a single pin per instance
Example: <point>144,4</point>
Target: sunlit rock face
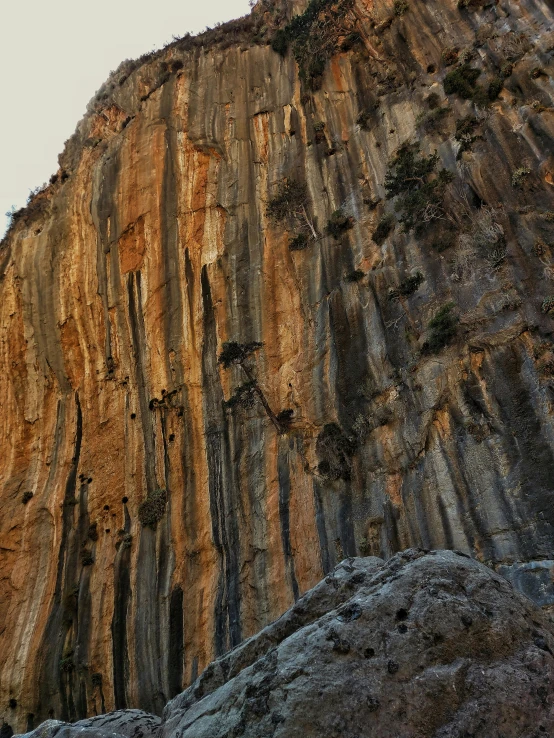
<point>153,246</point>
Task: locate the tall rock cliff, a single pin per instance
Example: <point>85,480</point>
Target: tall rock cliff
<point>368,192</point>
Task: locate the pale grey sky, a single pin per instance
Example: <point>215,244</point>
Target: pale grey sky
<point>55,54</point>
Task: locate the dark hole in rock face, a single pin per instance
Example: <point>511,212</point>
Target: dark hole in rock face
<point>401,614</point>
<point>133,416</point>
<point>107,530</point>
<point>6,730</point>
<point>431,69</point>
<point>349,613</point>
<point>124,500</point>
<point>13,703</point>
<point>89,480</point>
<point>172,437</point>
<point>392,667</point>
<point>369,653</point>
<point>373,703</point>
<point>106,507</point>
<point>541,643</point>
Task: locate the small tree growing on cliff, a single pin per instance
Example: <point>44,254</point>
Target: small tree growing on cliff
<point>245,395</point>
<point>292,201</point>
<point>413,179</point>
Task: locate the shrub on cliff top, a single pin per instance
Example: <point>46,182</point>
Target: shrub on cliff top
<point>299,27</point>
<point>314,36</point>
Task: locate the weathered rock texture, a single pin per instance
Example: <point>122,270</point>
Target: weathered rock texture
<point>120,724</point>
<point>423,646</point>
<point>152,246</point>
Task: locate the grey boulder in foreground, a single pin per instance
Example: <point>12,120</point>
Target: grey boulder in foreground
<point>118,724</point>
<point>424,645</point>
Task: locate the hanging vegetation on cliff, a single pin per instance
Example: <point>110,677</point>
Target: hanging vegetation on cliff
<point>314,37</point>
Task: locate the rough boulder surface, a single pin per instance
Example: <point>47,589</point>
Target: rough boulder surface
<point>426,645</point>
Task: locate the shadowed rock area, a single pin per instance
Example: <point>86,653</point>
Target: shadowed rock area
<point>424,645</point>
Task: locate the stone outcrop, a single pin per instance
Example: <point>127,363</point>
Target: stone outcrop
<point>413,424</point>
<point>423,645</point>
<point>120,724</point>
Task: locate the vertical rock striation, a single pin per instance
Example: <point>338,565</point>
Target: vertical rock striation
<point>152,247</point>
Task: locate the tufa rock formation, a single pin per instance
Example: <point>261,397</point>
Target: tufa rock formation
<point>366,189</point>
<point>423,645</point>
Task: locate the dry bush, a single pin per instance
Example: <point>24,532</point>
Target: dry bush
<point>513,46</point>
<point>483,239</point>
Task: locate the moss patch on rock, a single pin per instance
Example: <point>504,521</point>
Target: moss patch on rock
<point>152,510</point>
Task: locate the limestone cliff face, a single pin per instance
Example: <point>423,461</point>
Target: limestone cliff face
<point>152,246</point>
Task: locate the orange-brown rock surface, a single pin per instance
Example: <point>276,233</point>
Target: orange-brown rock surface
<point>152,246</point>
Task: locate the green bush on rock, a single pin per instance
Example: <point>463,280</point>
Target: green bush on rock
<point>413,178</point>
<point>338,224</point>
<point>442,328</point>
<point>462,81</point>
